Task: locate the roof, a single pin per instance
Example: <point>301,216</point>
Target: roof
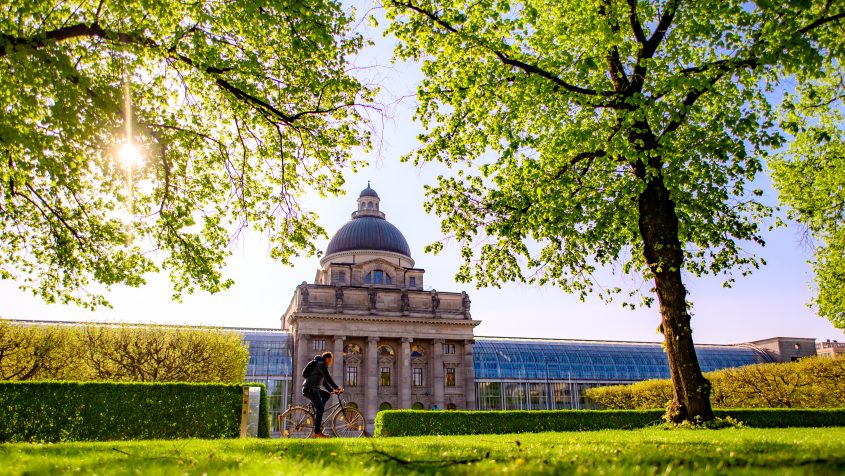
<point>368,192</point>
<point>368,233</point>
<point>518,359</point>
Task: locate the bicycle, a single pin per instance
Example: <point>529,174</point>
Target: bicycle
<point>298,421</point>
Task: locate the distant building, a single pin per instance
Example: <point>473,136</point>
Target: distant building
<point>830,349</point>
<point>400,345</point>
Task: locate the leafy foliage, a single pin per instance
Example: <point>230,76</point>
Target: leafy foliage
<point>120,353</point>
<point>810,177</point>
<point>808,383</point>
<point>238,108</point>
<point>74,411</point>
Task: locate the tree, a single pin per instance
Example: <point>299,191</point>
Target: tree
<point>139,353</point>
<point>38,352</point>
<point>237,108</point>
<point>608,134</point>
<point>810,177</point>
<point>163,354</point>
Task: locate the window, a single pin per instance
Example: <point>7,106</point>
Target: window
<point>352,405</point>
<point>385,406</point>
<point>412,282</point>
<point>351,376</point>
<point>448,348</point>
<point>377,277</point>
<point>417,406</point>
<point>319,344</point>
<point>384,378</point>
<point>341,277</point>
<point>451,406</point>
<point>450,376</point>
<point>418,381</point>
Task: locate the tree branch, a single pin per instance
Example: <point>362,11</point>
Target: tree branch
<point>505,58</point>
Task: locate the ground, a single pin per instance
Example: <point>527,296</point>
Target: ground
<point>649,451</point>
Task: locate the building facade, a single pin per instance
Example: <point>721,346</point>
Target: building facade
<point>398,345</point>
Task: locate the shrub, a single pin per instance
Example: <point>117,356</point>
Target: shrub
<point>808,383</point>
<point>80,411</point>
<point>417,422</point>
<point>422,423</point>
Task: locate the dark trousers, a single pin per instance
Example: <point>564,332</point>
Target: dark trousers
<point>318,398</point>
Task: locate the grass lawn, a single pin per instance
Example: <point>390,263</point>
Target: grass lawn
<point>649,451</point>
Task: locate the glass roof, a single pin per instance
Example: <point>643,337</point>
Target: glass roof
<point>517,359</point>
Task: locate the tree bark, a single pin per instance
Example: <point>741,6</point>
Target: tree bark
<point>658,225</point>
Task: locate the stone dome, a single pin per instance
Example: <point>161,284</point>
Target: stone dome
<point>368,233</point>
<point>368,230</point>
<point>368,192</point>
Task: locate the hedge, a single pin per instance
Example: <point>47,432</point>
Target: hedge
<point>90,411</point>
<point>421,423</point>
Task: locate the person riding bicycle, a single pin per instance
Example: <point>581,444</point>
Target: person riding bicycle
<point>316,375</point>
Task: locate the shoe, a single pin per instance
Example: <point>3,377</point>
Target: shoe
<point>320,435</point>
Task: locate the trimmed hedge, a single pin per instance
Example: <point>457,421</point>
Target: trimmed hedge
<point>422,423</point>
<point>90,411</point>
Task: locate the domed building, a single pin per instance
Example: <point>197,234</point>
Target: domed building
<point>397,344</point>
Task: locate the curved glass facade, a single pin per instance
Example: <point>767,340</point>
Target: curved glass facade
<point>540,360</point>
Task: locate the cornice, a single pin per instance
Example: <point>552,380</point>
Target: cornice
<point>376,318</point>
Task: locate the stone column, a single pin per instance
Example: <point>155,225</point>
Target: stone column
<point>302,341</point>
<point>469,375</point>
<point>337,362</point>
<point>371,380</point>
<point>404,362</point>
<point>437,381</point>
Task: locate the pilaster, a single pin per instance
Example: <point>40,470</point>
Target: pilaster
<point>405,374</point>
<point>469,375</point>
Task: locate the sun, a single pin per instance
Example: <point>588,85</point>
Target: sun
<point>130,156</point>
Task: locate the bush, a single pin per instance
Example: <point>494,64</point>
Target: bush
<point>419,422</point>
<point>808,383</point>
<point>422,423</point>
<point>86,411</point>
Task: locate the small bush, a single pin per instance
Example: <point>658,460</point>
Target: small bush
<point>86,411</point>
<point>422,423</point>
<point>808,383</point>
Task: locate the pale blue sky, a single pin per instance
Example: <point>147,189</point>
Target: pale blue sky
<point>769,303</point>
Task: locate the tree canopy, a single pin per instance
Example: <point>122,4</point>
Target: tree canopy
<point>810,176</point>
<point>609,134</point>
<point>237,109</point>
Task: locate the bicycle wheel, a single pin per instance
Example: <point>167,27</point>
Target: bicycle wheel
<point>296,422</point>
<point>348,423</point>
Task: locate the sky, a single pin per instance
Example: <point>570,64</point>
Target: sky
<point>771,302</point>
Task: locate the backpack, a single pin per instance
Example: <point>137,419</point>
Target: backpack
<point>309,369</point>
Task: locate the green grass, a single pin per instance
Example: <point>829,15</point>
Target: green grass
<point>648,451</point>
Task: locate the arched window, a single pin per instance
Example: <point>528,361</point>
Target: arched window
<point>377,276</point>
<point>386,351</point>
<point>352,405</point>
<point>369,205</point>
<point>385,406</point>
<point>417,351</point>
<point>350,350</point>
<point>451,406</point>
<point>417,406</point>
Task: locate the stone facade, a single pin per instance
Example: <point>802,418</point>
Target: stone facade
<point>396,344</point>
<point>786,349</point>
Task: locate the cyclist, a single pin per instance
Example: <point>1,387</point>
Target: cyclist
<point>316,375</point>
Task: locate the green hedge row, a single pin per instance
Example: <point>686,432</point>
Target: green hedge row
<point>86,411</point>
<point>420,423</point>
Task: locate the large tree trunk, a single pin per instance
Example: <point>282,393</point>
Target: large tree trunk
<point>658,225</point>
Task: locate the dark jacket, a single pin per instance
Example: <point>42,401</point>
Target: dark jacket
<point>319,377</point>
